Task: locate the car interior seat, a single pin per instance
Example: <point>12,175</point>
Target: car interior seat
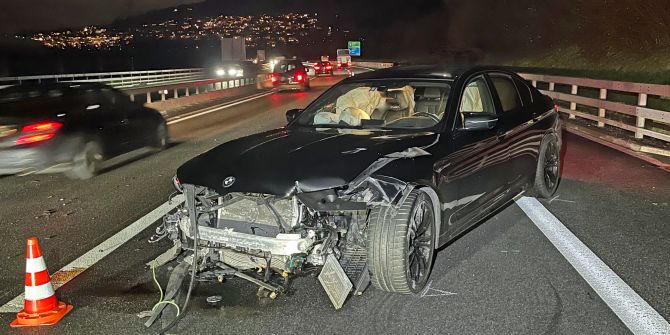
<point>429,102</point>
<point>398,106</point>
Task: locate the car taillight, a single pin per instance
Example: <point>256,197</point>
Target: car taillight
<point>274,78</point>
<point>42,126</point>
<point>316,67</point>
<point>299,77</point>
<point>328,67</point>
<point>42,131</point>
<point>556,108</point>
<point>27,139</point>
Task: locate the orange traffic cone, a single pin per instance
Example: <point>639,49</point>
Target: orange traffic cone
<point>40,305</point>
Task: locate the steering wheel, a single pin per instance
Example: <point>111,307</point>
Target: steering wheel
<point>429,115</point>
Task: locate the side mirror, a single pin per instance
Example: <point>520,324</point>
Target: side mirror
<point>292,114</point>
<point>479,121</point>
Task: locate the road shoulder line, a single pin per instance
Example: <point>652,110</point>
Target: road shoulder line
<point>634,311</point>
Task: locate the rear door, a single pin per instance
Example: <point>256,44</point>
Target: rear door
<point>110,123</point>
<point>522,137</point>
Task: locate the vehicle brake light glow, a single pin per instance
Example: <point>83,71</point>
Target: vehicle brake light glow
<point>556,108</point>
<point>329,67</point>
<point>42,126</point>
<point>274,79</point>
<point>299,77</point>
<point>316,67</point>
<point>34,138</point>
<point>44,131</point>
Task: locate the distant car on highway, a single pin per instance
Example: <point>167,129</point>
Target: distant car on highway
<point>368,181</point>
<point>72,128</point>
<point>323,68</point>
<point>290,74</point>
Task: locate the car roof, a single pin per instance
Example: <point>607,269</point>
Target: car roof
<point>444,72</point>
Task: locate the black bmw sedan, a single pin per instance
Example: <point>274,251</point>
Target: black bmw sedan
<point>372,177</point>
<point>71,128</point>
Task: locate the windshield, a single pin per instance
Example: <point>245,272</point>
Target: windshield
<point>407,104</point>
<point>285,67</point>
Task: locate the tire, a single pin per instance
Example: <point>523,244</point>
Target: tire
<point>547,173</point>
<point>161,138</point>
<point>87,162</point>
<point>394,262</point>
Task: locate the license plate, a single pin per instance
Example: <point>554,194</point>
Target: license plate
<point>335,282</point>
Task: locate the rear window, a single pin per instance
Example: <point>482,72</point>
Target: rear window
<point>509,97</point>
<point>524,92</point>
<point>285,67</point>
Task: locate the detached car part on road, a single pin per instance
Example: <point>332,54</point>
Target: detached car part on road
<point>72,128</point>
<point>368,181</point>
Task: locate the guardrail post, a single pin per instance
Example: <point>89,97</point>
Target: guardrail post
<point>197,90</point>
<point>162,92</point>
<point>641,101</point>
<point>148,97</point>
<point>132,97</point>
<point>176,93</point>
<point>534,82</point>
<point>188,94</point>
<point>573,105</point>
<point>552,86</point>
<point>601,111</point>
<point>224,84</point>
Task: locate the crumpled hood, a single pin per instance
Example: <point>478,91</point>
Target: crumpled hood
<point>276,161</point>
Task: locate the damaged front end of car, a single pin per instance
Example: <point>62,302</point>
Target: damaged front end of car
<point>269,239</point>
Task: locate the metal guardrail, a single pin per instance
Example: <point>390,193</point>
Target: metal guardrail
<point>188,88</point>
<point>116,79</point>
<point>607,110</point>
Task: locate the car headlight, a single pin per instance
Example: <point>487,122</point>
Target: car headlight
<point>232,72</point>
<point>220,72</point>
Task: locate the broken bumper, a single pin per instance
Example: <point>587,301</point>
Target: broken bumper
<point>282,244</point>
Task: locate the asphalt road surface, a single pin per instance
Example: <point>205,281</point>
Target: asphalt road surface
<point>506,276</point>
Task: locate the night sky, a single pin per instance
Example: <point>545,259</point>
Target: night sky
<point>20,15</point>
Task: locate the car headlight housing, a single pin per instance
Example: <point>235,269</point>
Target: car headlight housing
<point>220,72</point>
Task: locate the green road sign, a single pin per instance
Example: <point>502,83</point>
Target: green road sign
<point>355,48</point>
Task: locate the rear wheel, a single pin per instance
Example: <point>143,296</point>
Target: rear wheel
<point>87,162</point>
<point>161,137</point>
<point>547,174</point>
<point>401,244</point>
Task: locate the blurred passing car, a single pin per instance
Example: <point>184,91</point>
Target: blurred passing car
<point>290,74</point>
<point>72,128</point>
<point>323,68</point>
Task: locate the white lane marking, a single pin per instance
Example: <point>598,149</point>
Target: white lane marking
<point>216,109</point>
<point>635,313</point>
<point>94,255</point>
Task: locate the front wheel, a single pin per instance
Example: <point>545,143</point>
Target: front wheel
<point>401,244</point>
<point>547,173</point>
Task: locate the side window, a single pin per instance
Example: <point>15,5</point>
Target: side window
<point>477,98</point>
<point>507,93</point>
<point>524,92</point>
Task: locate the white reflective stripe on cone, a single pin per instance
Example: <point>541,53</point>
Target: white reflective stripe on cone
<point>34,265</point>
<point>39,292</point>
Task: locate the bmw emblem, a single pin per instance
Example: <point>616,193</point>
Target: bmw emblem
<point>229,181</point>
